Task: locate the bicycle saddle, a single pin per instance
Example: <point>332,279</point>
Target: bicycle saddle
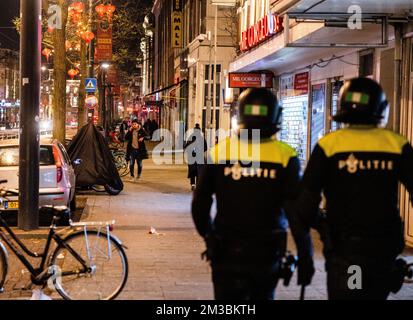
<point>62,213</point>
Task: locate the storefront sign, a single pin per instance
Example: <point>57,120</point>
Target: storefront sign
<point>177,18</point>
<point>262,30</point>
<point>250,80</point>
<point>301,82</point>
<point>9,103</point>
<point>104,40</point>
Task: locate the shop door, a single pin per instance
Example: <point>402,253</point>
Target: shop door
<point>318,114</point>
<point>294,124</point>
<point>407,128</point>
<point>335,89</point>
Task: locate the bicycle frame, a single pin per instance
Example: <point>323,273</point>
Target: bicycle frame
<point>41,274</point>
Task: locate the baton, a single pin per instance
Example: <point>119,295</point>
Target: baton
<point>302,294</point>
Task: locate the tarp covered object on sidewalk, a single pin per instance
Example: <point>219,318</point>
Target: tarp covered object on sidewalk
<point>97,166</point>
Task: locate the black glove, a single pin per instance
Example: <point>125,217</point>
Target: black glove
<point>305,271</point>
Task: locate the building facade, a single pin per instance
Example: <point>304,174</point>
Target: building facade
<point>186,83</point>
<point>311,47</point>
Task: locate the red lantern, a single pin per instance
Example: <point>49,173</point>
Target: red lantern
<point>87,36</point>
<point>110,9</point>
<point>78,6</point>
<point>72,73</point>
<point>46,52</point>
<point>100,9</point>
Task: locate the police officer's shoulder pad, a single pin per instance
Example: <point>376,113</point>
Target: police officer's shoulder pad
<point>361,140</point>
<point>274,151</point>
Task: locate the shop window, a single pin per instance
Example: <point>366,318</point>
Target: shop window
<point>334,102</point>
<point>218,84</point>
<point>366,64</point>
<point>217,96</point>
<point>216,118</point>
<point>212,72</point>
<point>294,124</point>
<point>317,113</point>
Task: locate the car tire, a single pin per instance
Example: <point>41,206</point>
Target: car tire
<point>112,191</point>
<point>72,204</point>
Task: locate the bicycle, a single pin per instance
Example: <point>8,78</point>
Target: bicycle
<point>82,266</point>
<point>119,157</point>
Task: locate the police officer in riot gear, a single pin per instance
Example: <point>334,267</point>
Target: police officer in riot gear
<point>358,168</point>
<point>255,179</point>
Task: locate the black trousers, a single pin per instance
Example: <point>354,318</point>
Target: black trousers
<point>135,156</point>
<point>374,278</point>
<point>235,280</point>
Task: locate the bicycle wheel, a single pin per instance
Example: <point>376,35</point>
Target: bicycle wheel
<point>98,188</point>
<point>121,163</point>
<point>107,267</point>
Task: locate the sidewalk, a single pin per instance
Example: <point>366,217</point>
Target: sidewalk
<point>167,265</point>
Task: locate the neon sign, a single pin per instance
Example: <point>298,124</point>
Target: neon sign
<point>262,30</point>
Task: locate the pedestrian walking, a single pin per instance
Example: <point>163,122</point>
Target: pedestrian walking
<point>194,148</point>
<point>358,168</point>
<point>246,241</point>
<point>136,149</point>
<point>123,128</point>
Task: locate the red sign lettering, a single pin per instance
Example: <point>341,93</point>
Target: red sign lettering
<point>250,80</point>
<point>263,29</point>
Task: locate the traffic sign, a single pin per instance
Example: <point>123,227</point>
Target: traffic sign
<point>91,84</point>
<point>91,101</point>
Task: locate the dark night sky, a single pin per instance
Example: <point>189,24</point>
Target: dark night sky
<point>9,38</point>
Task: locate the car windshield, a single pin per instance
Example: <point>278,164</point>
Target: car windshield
<point>9,156</point>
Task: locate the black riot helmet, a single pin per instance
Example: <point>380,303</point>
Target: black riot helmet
<point>258,108</point>
<point>362,101</point>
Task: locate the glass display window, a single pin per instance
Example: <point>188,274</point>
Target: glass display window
<point>318,106</point>
<point>294,124</point>
<point>335,90</point>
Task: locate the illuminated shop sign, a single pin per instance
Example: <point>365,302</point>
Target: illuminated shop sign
<point>177,19</point>
<point>251,80</point>
<point>263,29</point>
<point>7,103</point>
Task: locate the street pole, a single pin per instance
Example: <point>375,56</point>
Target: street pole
<point>91,71</point>
<point>110,106</point>
<point>214,123</point>
<point>104,116</point>
<point>30,77</point>
<point>209,98</point>
<point>91,44</point>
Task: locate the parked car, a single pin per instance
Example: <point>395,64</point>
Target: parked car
<point>57,178</point>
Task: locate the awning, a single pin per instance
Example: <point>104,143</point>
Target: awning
<point>166,88</point>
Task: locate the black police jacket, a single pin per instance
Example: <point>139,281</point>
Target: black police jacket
<point>255,185</point>
<point>359,169</point>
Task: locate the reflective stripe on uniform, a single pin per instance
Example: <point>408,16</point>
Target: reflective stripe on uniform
<point>268,151</point>
<point>362,140</point>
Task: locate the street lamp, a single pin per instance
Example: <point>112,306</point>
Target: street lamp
<point>104,66</point>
